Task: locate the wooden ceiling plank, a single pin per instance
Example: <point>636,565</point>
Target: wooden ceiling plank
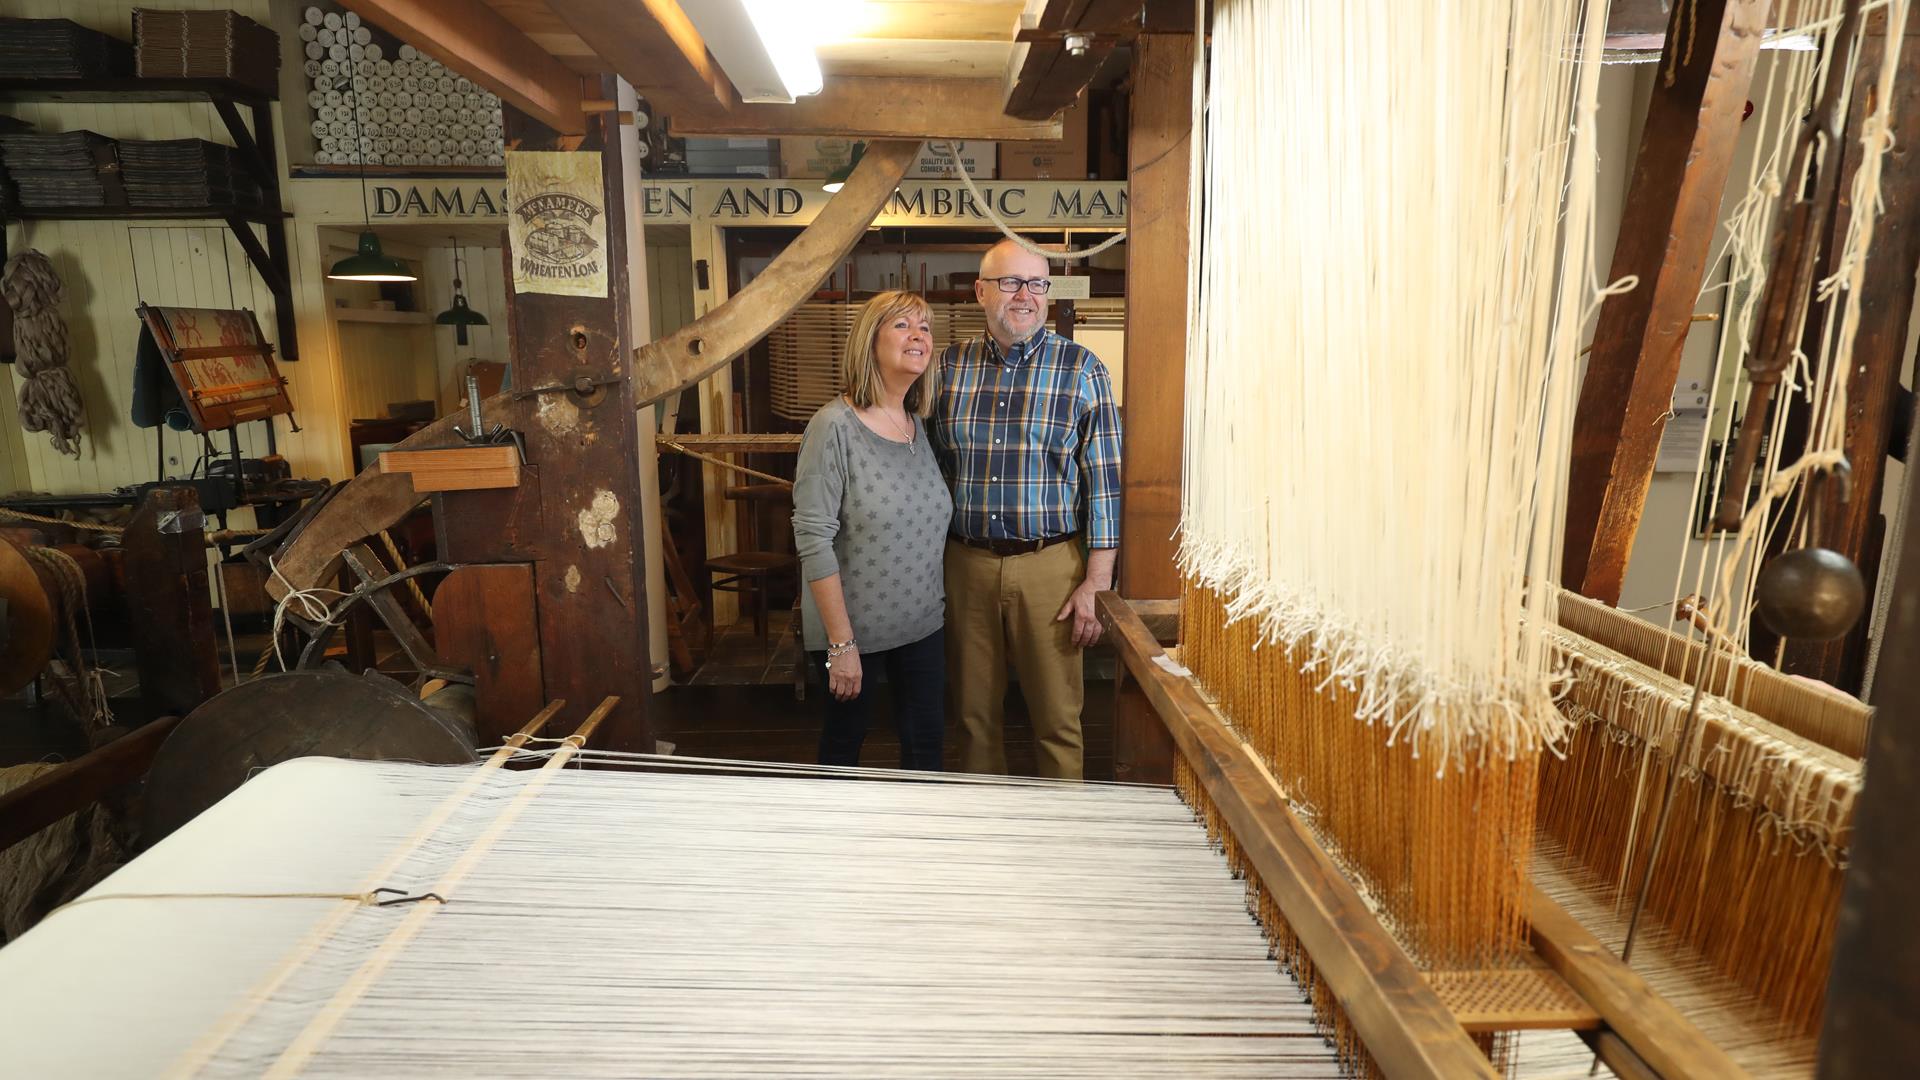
<point>877,108</point>
<point>480,43</point>
<point>927,57</point>
<point>654,46</point>
<point>939,20</point>
<point>1043,77</point>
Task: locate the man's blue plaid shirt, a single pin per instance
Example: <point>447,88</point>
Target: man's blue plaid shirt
<point>1030,440</point>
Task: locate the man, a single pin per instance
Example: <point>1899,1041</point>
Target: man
<point>1028,436</point>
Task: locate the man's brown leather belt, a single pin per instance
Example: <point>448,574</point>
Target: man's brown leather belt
<point>1017,547</point>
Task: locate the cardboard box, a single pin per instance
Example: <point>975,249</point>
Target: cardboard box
<point>805,158</point>
<point>981,160</point>
<point>1064,158</point>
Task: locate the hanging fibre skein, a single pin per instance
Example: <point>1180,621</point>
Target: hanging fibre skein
<point>49,398</point>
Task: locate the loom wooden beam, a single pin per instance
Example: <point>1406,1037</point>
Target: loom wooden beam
<point>54,794</point>
<point>697,349</point>
<point>1871,1027</point>
<point>655,47</point>
<point>877,107</point>
<point>1853,527</point>
<point>1043,76</point>
<point>478,42</point>
<point>1159,149</point>
<point>1672,210</point>
<point>729,443</point>
<point>1407,1029</point>
<point>1654,1030</point>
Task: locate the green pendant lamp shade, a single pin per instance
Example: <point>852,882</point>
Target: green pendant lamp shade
<point>370,264</point>
<point>459,315</point>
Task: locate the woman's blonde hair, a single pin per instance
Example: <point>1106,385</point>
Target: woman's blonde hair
<point>860,365</point>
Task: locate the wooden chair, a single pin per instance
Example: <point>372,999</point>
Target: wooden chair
<point>749,572</point>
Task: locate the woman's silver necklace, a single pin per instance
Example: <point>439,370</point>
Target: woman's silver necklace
<point>907,431</point>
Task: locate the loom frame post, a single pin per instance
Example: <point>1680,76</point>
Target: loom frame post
<point>1672,211</point>
<point>1871,1028</point>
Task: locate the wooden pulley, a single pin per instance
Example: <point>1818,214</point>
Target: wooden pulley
<point>281,717</point>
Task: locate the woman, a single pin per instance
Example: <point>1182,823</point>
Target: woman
<point>870,516</point>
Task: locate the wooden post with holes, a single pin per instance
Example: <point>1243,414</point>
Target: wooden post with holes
<point>168,609</point>
<point>576,515</point>
<point>1871,1026</point>
<point>1855,527</point>
<point>1154,380</point>
<point>1672,210</point>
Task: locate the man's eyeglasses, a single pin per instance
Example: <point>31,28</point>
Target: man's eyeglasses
<point>1037,286</point>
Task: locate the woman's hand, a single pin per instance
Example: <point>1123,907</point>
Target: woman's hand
<point>843,675</point>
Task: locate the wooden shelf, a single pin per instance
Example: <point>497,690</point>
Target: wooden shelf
<point>104,90</point>
<point>375,315</point>
<point>259,215</point>
<point>267,250</point>
<point>401,172</point>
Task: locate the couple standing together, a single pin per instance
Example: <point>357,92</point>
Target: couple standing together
<point>954,519</point>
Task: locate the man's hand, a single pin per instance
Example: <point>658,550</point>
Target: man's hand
<point>1079,606</point>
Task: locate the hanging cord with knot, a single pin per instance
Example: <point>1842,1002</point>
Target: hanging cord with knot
<point>49,399</point>
<point>89,701</point>
<point>986,204</point>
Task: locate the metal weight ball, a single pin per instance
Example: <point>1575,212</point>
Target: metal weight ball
<point>1813,594</point>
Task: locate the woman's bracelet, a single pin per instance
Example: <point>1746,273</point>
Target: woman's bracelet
<point>841,646</point>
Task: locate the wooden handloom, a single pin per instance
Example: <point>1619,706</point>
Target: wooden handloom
<point>1410,1023</point>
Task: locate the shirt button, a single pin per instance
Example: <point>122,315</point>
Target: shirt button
<point>996,441</point>
<point>993,517</point>
<point>993,478</point>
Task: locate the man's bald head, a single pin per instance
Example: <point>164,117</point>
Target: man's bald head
<point>1008,258</point>
<point>1017,315</point>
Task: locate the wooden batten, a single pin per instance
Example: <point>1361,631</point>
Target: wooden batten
<point>1656,1032</point>
<point>878,107</point>
<point>467,468</point>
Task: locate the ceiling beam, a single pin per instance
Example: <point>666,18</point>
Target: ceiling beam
<point>473,39</point>
<point>654,46</point>
<point>1043,77</point>
<point>874,107</point>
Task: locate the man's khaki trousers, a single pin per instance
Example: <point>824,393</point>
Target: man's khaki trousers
<point>1001,610</point>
